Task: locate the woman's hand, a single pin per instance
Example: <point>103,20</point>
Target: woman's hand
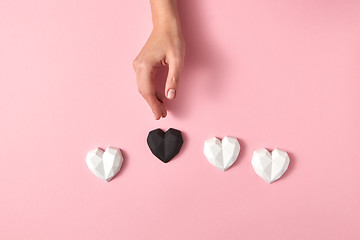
<point>165,47</point>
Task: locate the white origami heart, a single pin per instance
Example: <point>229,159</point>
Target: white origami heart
<point>222,154</point>
<point>270,166</point>
<point>105,165</point>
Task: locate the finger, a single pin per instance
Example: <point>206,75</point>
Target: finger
<point>156,106</point>
<point>172,81</point>
<point>161,98</point>
<point>146,86</point>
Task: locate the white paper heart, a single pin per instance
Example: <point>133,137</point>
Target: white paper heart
<point>105,165</point>
<point>270,166</point>
<point>222,154</point>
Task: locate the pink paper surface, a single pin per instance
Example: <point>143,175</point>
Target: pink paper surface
<point>275,74</point>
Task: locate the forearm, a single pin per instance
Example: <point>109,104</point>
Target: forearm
<point>165,14</point>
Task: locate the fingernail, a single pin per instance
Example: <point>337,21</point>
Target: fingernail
<point>171,94</point>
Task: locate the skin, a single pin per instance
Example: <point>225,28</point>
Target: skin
<point>165,47</point>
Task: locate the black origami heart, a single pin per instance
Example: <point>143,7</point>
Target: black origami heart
<point>166,145</point>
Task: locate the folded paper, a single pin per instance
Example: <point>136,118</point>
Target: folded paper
<point>165,145</point>
<point>222,154</point>
<point>270,166</point>
<point>105,165</point>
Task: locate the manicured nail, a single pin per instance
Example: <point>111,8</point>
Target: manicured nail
<point>171,94</point>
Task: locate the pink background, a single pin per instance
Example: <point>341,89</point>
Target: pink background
<point>271,73</point>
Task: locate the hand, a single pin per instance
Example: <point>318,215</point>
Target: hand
<point>165,47</point>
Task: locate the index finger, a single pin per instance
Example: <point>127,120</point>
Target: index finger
<point>146,87</point>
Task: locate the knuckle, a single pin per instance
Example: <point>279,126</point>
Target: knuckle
<point>135,63</point>
<point>146,94</point>
<point>141,91</point>
<point>177,57</point>
<point>139,64</point>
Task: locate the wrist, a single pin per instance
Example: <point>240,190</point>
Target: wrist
<point>164,15</point>
<point>171,26</point>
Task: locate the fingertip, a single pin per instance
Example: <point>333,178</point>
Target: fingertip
<point>157,113</point>
<point>163,111</point>
<point>157,117</point>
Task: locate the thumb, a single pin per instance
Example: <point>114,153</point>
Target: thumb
<point>172,80</point>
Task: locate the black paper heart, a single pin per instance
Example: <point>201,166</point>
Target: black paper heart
<point>166,145</point>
